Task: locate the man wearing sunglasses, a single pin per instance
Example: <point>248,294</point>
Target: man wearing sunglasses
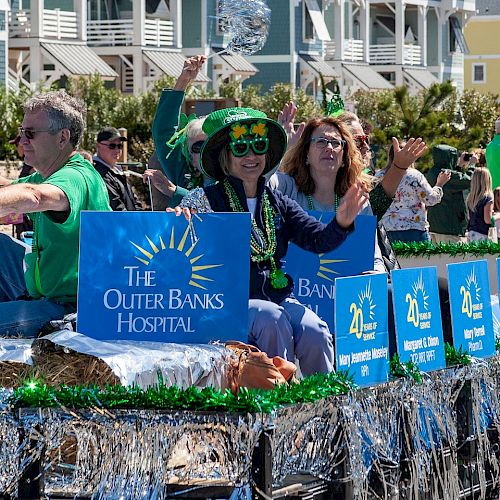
<point>109,148</point>
<point>63,185</point>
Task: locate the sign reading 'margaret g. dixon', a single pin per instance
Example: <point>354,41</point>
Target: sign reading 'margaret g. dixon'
<point>152,276</point>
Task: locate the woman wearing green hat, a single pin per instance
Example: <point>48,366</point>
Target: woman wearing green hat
<point>242,146</point>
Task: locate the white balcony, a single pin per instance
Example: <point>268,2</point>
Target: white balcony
<point>386,54</point>
<point>58,24</point>
<point>353,50</point>
<point>157,32</point>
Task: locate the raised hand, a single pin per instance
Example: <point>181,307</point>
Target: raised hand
<point>411,152</point>
<point>192,67</point>
<point>351,204</point>
<point>286,118</point>
<point>443,177</point>
<point>160,181</point>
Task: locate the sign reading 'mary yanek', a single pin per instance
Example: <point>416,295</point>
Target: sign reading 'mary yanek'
<point>152,276</point>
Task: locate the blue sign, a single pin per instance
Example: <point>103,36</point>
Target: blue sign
<point>314,275</point>
<point>470,303</point>
<point>417,316</point>
<point>152,276</point>
<point>361,329</point>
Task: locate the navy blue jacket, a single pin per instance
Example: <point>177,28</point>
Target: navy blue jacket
<point>292,223</point>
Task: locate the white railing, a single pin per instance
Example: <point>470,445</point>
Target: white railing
<point>353,50</point>
<point>56,23</point>
<point>386,54</point>
<point>329,50</point>
<point>157,32</point>
<point>59,24</point>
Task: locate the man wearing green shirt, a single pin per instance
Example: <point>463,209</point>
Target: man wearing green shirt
<point>63,185</point>
<point>493,156</point>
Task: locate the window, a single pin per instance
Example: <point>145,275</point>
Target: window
<point>479,73</point>
<point>456,36</point>
<point>307,23</point>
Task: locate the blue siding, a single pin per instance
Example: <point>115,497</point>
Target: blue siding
<point>2,20</point>
<point>59,4</point>
<point>191,23</point>
<point>269,74</point>
<point>3,76</point>
<point>278,41</point>
<point>432,28</point>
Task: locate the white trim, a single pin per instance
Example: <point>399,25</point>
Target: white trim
<point>484,18</point>
<point>269,59</point>
<point>473,67</point>
<point>482,57</point>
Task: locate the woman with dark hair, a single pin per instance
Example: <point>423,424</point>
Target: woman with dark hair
<point>242,146</point>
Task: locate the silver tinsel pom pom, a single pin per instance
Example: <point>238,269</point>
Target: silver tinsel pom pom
<point>247,23</point>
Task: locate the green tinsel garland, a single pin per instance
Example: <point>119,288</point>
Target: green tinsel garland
<point>424,248</point>
<point>38,395</point>
<point>456,356</point>
<point>407,369</point>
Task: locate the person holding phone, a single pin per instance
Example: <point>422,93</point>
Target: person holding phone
<point>448,219</point>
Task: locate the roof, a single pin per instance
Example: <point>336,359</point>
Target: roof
<point>367,76</point>
<point>423,77</point>
<point>239,63</point>
<point>320,66</point>
<point>170,63</point>
<point>487,7</point>
<point>77,59</point>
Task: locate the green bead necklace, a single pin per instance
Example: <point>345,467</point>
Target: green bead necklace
<point>265,248</point>
<point>310,202</point>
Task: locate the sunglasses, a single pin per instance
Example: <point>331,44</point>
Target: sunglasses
<point>112,146</point>
<point>259,145</point>
<point>196,147</point>
<point>362,139</point>
<point>323,142</point>
<point>29,133</point>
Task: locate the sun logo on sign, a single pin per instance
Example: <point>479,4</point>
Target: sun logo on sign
<point>366,301</point>
<point>419,291</point>
<point>323,269</point>
<point>472,284</point>
<point>196,278</point>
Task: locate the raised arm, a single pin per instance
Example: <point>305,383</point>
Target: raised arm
<point>166,120</point>
<point>26,198</point>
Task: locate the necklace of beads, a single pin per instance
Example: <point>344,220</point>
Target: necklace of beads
<point>265,248</point>
<point>310,202</point>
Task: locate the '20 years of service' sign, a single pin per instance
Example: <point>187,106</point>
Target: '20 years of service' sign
<point>152,276</point>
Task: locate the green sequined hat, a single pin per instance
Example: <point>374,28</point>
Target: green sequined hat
<point>218,125</point>
<point>336,106</point>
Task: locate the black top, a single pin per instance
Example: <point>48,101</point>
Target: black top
<point>292,223</point>
<point>121,197</point>
<point>476,217</point>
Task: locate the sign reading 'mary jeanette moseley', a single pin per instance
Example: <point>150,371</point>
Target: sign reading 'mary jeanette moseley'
<point>152,276</point>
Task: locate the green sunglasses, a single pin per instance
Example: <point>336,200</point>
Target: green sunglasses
<point>241,147</point>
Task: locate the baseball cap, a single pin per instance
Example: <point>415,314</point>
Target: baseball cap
<point>109,134</point>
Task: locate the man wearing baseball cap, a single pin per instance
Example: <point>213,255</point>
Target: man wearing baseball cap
<point>109,148</point>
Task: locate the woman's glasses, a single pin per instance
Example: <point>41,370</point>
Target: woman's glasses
<point>362,139</point>
<point>29,133</point>
<point>323,142</point>
<point>196,147</point>
<point>110,146</point>
<point>259,145</point>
